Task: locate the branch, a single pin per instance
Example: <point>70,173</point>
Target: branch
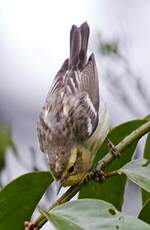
<point>105,161</point>
<point>132,137</point>
<point>70,193</point>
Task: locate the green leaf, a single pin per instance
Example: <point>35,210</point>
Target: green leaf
<point>115,185</point>
<point>19,198</point>
<point>145,212</point>
<point>146,195</point>
<point>138,171</point>
<point>5,143</point>
<point>147,148</point>
<point>147,117</point>
<point>87,214</point>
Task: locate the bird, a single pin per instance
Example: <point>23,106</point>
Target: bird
<point>73,122</point>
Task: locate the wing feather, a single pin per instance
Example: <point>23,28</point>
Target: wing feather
<point>59,79</point>
<point>74,95</point>
<point>83,117</point>
<point>89,81</point>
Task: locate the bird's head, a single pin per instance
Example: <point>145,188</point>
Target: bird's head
<point>69,165</point>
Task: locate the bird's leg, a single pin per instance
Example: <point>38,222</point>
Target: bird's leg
<point>88,176</point>
<point>112,148</point>
<point>100,176</point>
<point>28,225</point>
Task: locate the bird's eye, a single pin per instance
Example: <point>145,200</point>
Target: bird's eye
<point>71,169</point>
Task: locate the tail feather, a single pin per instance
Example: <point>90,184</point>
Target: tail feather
<point>75,47</point>
<point>79,37</point>
<point>85,31</point>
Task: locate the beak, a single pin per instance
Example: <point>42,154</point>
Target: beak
<point>60,183</point>
<point>59,186</point>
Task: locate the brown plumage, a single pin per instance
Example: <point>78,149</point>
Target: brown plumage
<point>70,115</point>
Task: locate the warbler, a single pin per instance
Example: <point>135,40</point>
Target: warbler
<point>73,122</point>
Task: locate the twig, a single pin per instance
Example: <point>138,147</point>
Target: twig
<point>135,135</point>
<point>105,161</point>
<point>70,193</point>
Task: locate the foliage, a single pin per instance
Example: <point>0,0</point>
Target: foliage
<point>96,190</point>
<point>144,213</point>
<point>6,142</point>
<point>146,195</point>
<point>19,198</point>
<point>92,214</point>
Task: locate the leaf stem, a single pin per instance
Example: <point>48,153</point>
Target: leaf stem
<point>105,161</point>
<point>113,173</point>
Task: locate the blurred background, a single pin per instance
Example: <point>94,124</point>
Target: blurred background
<point>34,41</point>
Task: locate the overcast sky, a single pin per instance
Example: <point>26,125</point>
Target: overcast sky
<point>35,36</point>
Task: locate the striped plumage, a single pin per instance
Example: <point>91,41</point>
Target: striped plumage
<point>73,122</point>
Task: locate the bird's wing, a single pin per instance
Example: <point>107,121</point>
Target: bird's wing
<point>44,121</point>
<point>59,79</point>
<point>82,100</point>
<point>82,117</point>
<point>74,92</point>
<point>89,81</point>
<point>85,81</point>
<point>42,132</point>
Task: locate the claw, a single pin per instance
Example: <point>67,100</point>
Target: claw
<point>100,176</point>
<point>28,225</point>
<point>87,178</point>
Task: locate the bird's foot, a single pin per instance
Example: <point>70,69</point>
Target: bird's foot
<point>100,176</point>
<point>28,225</point>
